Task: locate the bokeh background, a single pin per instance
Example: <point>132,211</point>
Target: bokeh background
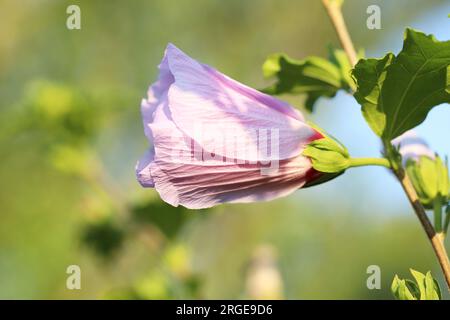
<point>71,133</point>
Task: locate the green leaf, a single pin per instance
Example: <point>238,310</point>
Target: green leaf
<point>370,75</point>
<point>316,77</point>
<point>428,286</point>
<point>437,289</point>
<point>425,287</point>
<point>420,279</point>
<point>401,290</point>
<point>397,92</point>
<point>395,286</point>
<point>432,290</point>
<point>413,289</point>
<point>339,58</point>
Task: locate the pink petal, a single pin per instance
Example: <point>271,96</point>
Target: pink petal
<point>182,178</point>
<point>195,183</point>
<point>155,95</point>
<point>156,92</point>
<point>187,93</point>
<point>143,169</point>
<point>203,102</point>
<point>197,186</point>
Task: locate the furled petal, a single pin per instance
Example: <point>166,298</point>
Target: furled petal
<point>182,178</point>
<point>209,106</point>
<point>197,186</point>
<point>143,169</point>
<point>157,93</point>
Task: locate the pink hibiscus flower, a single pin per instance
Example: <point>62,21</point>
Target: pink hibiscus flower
<point>215,140</point>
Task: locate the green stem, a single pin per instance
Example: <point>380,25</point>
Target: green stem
<point>361,162</point>
<point>447,220</point>
<point>437,207</point>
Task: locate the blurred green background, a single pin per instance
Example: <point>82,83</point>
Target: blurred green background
<point>71,133</point>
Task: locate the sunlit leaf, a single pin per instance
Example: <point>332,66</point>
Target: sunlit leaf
<point>370,75</point>
<point>425,287</point>
<point>316,77</point>
<point>397,92</point>
<point>432,290</point>
<point>420,279</point>
<point>401,290</point>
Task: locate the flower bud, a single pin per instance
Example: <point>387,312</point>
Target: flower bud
<point>430,179</point>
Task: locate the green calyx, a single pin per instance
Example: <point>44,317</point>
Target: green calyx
<point>330,156</point>
<point>327,155</point>
<point>430,179</point>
